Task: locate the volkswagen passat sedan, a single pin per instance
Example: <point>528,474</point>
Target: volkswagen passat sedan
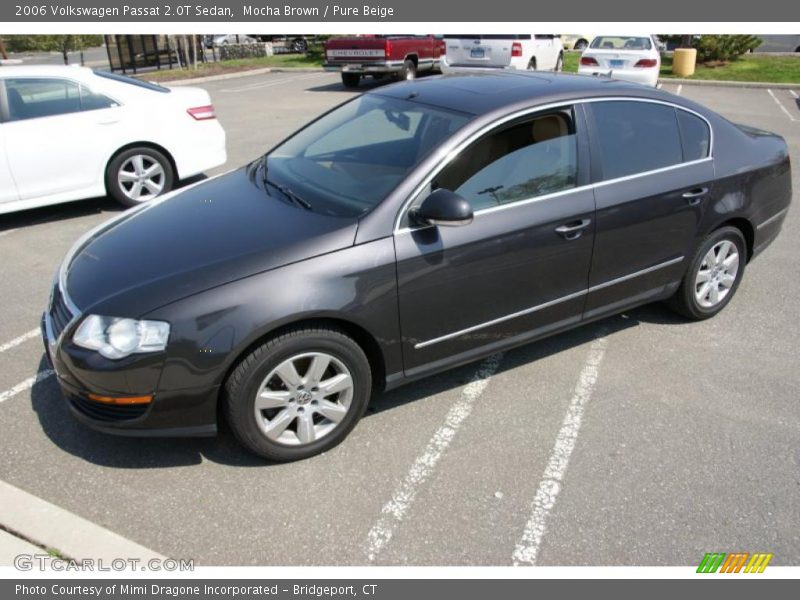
<point>630,58</point>
<point>68,133</point>
<point>420,226</point>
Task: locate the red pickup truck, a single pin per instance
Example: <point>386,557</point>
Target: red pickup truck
<point>400,55</point>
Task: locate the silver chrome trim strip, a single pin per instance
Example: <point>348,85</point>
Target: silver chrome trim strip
<point>539,307</point>
<point>532,110</point>
<point>668,263</point>
<point>521,313</point>
<point>774,217</point>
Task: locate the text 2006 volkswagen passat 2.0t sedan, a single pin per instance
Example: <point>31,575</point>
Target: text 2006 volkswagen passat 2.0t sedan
<point>417,227</point>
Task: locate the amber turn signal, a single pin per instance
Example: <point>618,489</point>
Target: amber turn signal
<point>125,400</point>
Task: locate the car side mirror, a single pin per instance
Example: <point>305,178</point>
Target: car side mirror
<point>443,207</point>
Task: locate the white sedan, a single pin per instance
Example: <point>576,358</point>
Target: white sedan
<point>630,58</point>
<point>68,133</point>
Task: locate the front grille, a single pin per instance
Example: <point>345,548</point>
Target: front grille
<point>60,314</point>
<point>100,411</point>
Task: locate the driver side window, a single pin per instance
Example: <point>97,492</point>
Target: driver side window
<point>531,158</point>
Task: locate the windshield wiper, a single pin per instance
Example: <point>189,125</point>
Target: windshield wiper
<point>267,182</point>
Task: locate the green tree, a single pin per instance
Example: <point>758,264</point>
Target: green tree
<point>724,48</point>
<point>52,43</point>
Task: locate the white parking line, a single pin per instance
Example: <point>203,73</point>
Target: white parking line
<point>793,93</point>
<point>678,91</point>
<point>25,385</point>
<point>18,340</point>
<point>395,509</point>
<point>528,546</point>
<point>782,107</point>
<point>258,86</point>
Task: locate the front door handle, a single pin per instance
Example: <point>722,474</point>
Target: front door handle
<point>693,197</point>
<point>573,230</point>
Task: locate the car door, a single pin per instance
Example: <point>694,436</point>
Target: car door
<point>8,187</point>
<point>521,267</point>
<point>57,134</point>
<point>546,51</point>
<point>654,172</point>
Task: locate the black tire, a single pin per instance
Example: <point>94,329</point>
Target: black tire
<point>581,45</point>
<point>244,382</point>
<point>409,71</point>
<point>559,63</point>
<point>118,192</point>
<point>532,64</point>
<point>351,80</point>
<point>684,302</point>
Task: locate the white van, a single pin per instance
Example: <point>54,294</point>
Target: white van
<point>503,51</point>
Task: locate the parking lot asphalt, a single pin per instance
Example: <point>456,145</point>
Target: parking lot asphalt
<point>638,440</point>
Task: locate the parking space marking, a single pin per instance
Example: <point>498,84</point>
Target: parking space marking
<point>25,385</point>
<point>678,91</point>
<point>793,93</point>
<point>264,84</point>
<point>782,107</point>
<point>527,549</point>
<point>18,340</point>
<point>395,510</point>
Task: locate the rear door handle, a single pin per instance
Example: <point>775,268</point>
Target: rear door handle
<point>695,196</point>
<point>573,230</point>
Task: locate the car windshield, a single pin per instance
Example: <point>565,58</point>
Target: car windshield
<point>610,42</point>
<point>347,162</point>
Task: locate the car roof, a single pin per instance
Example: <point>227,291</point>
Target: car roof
<point>481,91</point>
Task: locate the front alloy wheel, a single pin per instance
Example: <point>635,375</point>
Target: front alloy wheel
<point>298,394</point>
<point>304,398</point>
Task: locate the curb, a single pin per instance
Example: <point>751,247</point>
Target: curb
<point>245,73</point>
<point>50,526</point>
<point>732,84</point>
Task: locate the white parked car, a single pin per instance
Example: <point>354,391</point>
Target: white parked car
<point>68,133</point>
<point>503,51</point>
<point>630,58</point>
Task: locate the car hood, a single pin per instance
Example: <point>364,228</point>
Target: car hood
<point>215,232</point>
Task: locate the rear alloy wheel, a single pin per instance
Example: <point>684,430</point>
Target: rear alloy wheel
<point>138,175</point>
<point>409,71</point>
<point>714,275</point>
<point>351,80</point>
<point>299,394</point>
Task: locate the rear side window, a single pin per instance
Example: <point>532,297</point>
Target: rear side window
<point>41,97</point>
<point>49,97</point>
<point>635,137</point>
<point>695,135</point>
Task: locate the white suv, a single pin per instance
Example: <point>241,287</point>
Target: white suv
<point>503,51</point>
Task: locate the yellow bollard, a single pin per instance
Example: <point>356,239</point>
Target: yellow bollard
<point>683,61</point>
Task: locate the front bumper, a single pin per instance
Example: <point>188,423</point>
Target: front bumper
<point>172,413</point>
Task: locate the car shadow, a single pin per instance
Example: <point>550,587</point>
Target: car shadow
<point>70,210</point>
<point>146,453</point>
<point>366,84</point>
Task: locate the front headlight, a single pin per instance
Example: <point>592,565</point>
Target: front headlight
<point>117,338</point>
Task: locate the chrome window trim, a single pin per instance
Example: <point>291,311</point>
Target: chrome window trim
<point>548,304</point>
<point>446,160</point>
<point>773,218</point>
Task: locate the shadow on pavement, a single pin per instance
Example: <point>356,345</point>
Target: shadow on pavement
<point>147,453</point>
<point>70,210</point>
